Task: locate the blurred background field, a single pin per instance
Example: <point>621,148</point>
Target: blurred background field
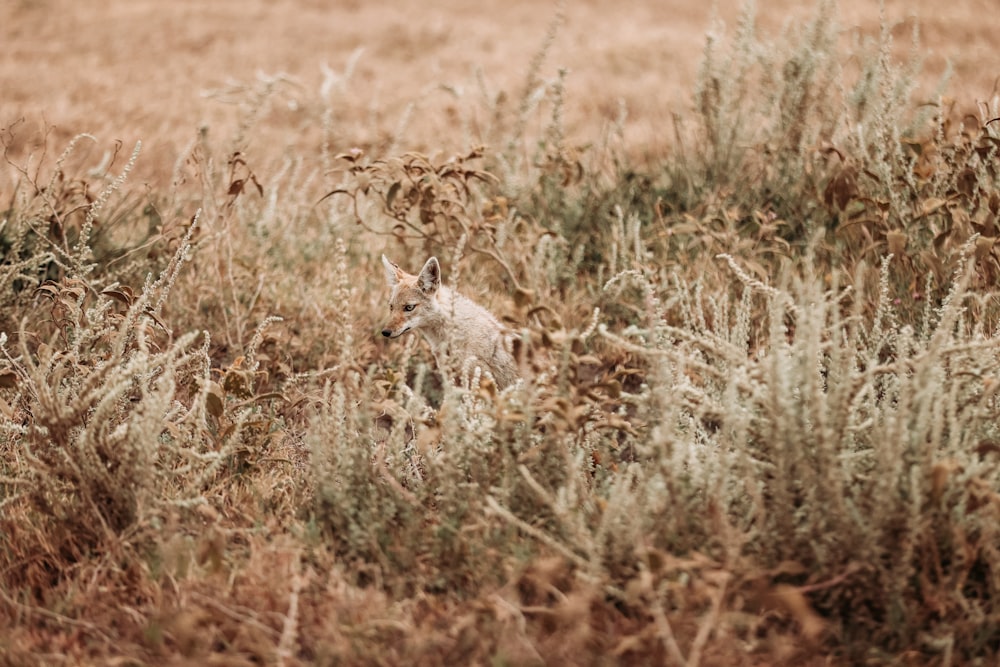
<point>158,71</point>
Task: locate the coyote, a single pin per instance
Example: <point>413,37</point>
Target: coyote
<point>455,327</point>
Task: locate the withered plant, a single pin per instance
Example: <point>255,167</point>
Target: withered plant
<point>756,421</point>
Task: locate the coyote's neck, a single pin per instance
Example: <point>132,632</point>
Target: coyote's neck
<point>460,330</point>
<point>438,330</point>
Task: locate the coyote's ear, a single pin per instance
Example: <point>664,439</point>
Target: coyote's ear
<point>430,276</point>
<point>393,274</point>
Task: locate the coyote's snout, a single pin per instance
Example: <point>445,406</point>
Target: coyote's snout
<point>456,327</point>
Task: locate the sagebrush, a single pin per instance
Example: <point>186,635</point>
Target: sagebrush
<point>756,419</point>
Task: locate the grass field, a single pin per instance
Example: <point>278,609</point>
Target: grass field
<point>750,257</point>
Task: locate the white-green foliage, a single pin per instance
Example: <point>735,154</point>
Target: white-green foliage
<point>773,115</point>
<point>844,441</point>
<point>394,494</point>
<point>809,421</point>
<point>110,415</point>
<point>791,425</point>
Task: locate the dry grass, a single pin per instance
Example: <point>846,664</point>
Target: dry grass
<point>758,421</point>
<point>157,72</point>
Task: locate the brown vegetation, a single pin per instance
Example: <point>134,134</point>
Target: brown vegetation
<point>759,416</point>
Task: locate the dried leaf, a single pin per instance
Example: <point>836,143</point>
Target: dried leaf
<point>215,399</point>
<point>428,439</point>
<point>793,601</point>
<point>390,196</point>
<point>260,188</point>
<point>984,246</point>
<point>986,447</point>
<point>842,188</point>
<point>940,473</point>
<point>351,156</point>
<point>931,205</point>
<point>897,242</point>
<point>124,294</point>
<point>524,297</point>
<point>48,288</point>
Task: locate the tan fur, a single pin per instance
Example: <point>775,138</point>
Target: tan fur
<point>456,327</point>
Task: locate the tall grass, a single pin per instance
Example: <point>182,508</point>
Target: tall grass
<point>757,419</point>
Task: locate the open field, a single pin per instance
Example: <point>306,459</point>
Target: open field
<point>753,282</point>
<point>158,71</point>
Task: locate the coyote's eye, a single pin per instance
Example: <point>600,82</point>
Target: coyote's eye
<point>409,307</point>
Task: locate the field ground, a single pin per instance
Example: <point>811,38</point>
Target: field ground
<point>157,72</point>
<point>755,291</point>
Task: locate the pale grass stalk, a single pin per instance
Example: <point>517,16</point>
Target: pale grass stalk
<point>82,248</point>
<point>664,631</point>
<point>61,160</point>
<point>343,294</point>
<point>622,512</point>
<point>565,507</point>
<point>257,339</point>
<point>514,158</point>
<point>401,126</point>
<point>31,610</point>
<point>496,508</point>
<point>709,622</point>
<point>289,628</point>
<point>64,253</point>
<point>238,613</point>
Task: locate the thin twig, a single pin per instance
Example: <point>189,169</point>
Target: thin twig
<point>707,625</point>
<point>666,633</point>
<point>235,615</point>
<point>58,618</point>
<point>289,629</point>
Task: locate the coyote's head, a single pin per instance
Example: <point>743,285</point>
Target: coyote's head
<point>411,304</point>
